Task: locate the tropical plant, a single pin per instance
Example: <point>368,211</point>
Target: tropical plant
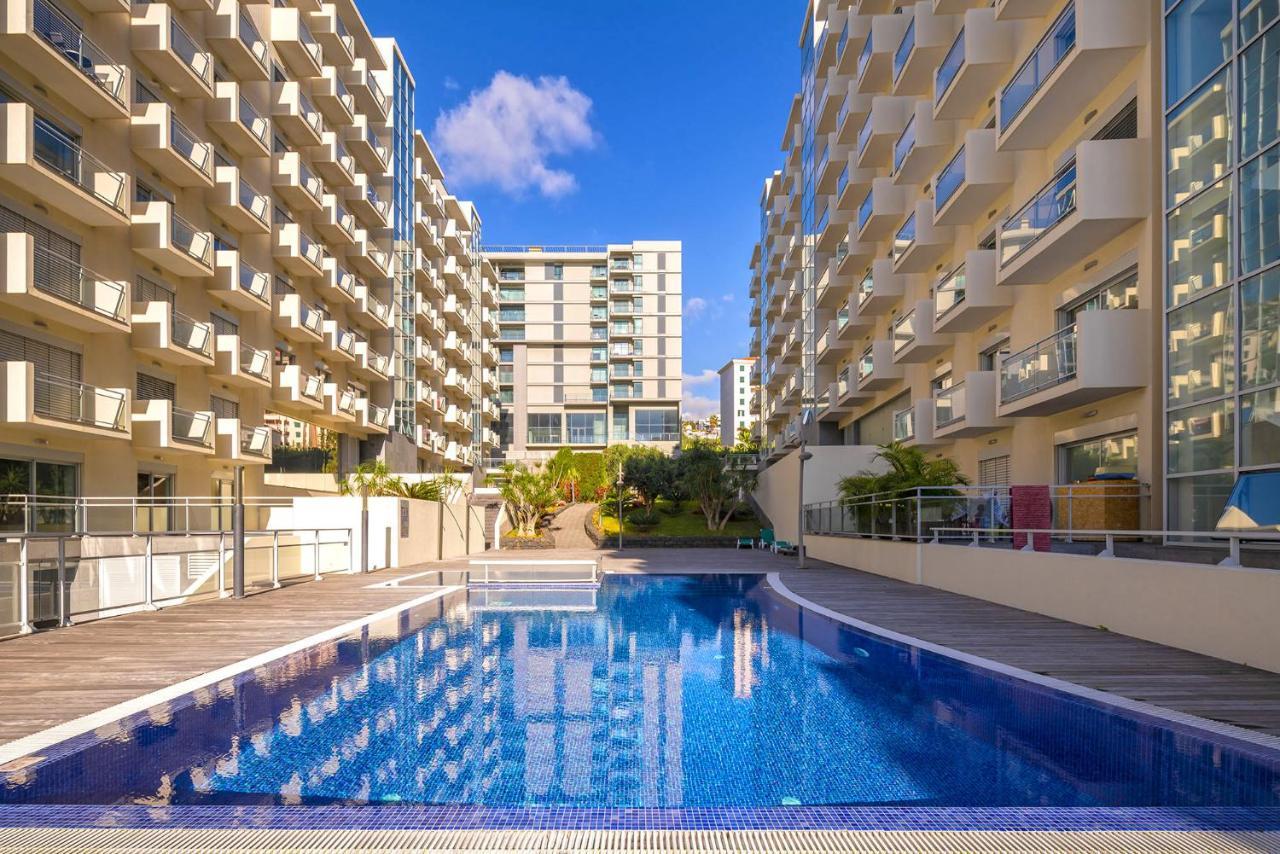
<point>908,468</point>
<point>745,444</point>
<point>529,496</point>
<point>371,479</point>
<point>719,489</point>
<point>563,471</point>
<point>442,488</point>
<point>651,474</point>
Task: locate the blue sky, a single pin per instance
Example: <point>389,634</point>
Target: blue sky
<point>686,108</point>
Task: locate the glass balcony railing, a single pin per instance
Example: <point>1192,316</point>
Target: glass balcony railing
<point>949,405</point>
<point>253,121</point>
<point>904,425</point>
<point>254,282</point>
<point>375,90</point>
<point>842,382</point>
<point>312,386</point>
<point>864,212</point>
<point>843,43</point>
<point>949,180</point>
<point>906,142</point>
<point>255,362</point>
<point>191,428</point>
<point>255,441</point>
<point>191,334</point>
<point>251,38</point>
<point>200,63</point>
<point>864,56</point>
<point>1054,203</point>
<point>949,293</point>
<point>1045,364</point>
<point>544,436</point>
<point>950,66</point>
<point>48,22</point>
<point>61,277</point>
<point>864,134</point>
<point>309,113</point>
<point>311,318</point>
<point>842,319</point>
<point>905,238</point>
<point>198,154</point>
<point>903,53</point>
<point>866,287</point>
<point>61,154</point>
<point>64,399</point>
<point>866,364</point>
<point>254,202</point>
<point>904,331</point>
<point>309,43</point>
<point>1056,45</point>
<point>187,239</point>
<point>586,435</point>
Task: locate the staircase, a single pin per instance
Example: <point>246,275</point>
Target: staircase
<point>492,504</point>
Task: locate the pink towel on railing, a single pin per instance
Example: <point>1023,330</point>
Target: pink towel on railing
<point>1030,507</point>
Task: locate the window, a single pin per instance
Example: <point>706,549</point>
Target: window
<point>657,425</point>
<point>586,428</point>
<point>544,428</point>
<point>1193,161</point>
<point>506,354</point>
<point>1260,330</point>
<point>996,471</point>
<point>1197,40</point>
<point>51,482</point>
<point>1260,428</point>
<point>1202,437</point>
<point>1107,455</point>
<point>221,407</point>
<point>1201,350</point>
<point>1116,294</point>
<point>1260,93</point>
<point>993,357</point>
<point>1260,211</point>
<point>155,499</point>
<point>1199,244</point>
<point>555,272</point>
<point>511,274</point>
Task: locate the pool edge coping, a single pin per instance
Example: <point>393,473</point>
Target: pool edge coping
<point>1257,739</point>
<point>58,733</point>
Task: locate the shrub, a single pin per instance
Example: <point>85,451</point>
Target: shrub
<point>643,519</point>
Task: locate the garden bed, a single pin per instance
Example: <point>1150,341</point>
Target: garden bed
<point>685,529</point>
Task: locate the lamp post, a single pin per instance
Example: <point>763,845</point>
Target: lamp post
<point>619,506</point>
<point>237,534</point>
<point>805,456</point>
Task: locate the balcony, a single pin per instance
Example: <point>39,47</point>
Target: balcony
<point>1097,196</point>
<point>968,298</point>
<point>1014,10</point>
<point>968,408</point>
<point>881,210</point>
<point>879,289</point>
<point>328,27</point>
<point>875,61</point>
<point>294,115</point>
<point>234,37</point>
<point>919,244</point>
<point>40,159</point>
<point>165,334</point>
<point>454,311</point>
<point>241,127</point>
<point>876,369</point>
<point>843,395</point>
<point>374,310</point>
<point>238,284</point>
<point>339,407</point>
<point>974,179</point>
<point>918,152</point>
<point>32,401</point>
<point>371,418</point>
<point>294,43</point>
<point>238,443</point>
<point>338,284</point>
<point>914,426</point>
<point>368,258</point>
<point>370,150</point>
<point>337,342</point>
<point>238,204</point>
<point>297,392</point>
<point>336,225</point>
<point>160,428</point>
<point>300,188</point>
<point>1084,50</point>
<point>915,341</point>
<point>54,286</point>
<point>239,364</point>
<point>852,321</point>
<point>296,320</point>
<point>927,39</point>
<point>170,242</point>
<point>366,202</point>
<point>370,98</point>
<point>169,147</point>
<point>879,133</point>
<point>1104,353</point>
<point>330,93</point>
<point>370,363</point>
<point>169,52</point>
<point>977,61</point>
<point>295,251</point>
<point>37,34</point>
<point>333,162</point>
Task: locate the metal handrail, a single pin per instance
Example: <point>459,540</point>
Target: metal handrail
<point>191,428</point>
<point>66,279</point>
<point>192,334</point>
<point>524,248</point>
<point>182,44</point>
<point>1037,67</point>
<point>1049,362</point>
<point>1051,204</point>
<point>257,204</point>
<point>255,440</point>
<point>93,62</point>
<point>255,362</point>
<point>949,405</point>
<point>187,238</point>
<point>253,121</point>
<point>65,399</point>
<point>254,282</point>
<point>60,153</point>
<point>251,38</point>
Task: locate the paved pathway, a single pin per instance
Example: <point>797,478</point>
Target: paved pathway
<point>569,527</point>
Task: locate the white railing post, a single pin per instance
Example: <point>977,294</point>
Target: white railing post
<point>24,590</point>
<point>148,572</point>
<point>1071,500</point>
<point>1233,552</point>
<point>222,565</point>
<point>275,558</point>
<point>315,568</point>
<point>1110,549</point>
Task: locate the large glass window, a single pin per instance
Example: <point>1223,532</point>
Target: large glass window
<point>1199,244</point>
<point>1197,37</point>
<point>1255,15</point>
<point>54,487</point>
<point>1260,428</point>
<point>586,428</point>
<point>657,425</point>
<point>1106,455</point>
<point>1200,140</point>
<point>1260,93</point>
<point>1201,350</point>
<point>1202,437</point>
<point>1260,330</point>
<point>1260,211</point>
<point>544,428</point>
<point>1195,503</point>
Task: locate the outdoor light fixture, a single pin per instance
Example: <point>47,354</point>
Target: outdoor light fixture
<point>805,456</point>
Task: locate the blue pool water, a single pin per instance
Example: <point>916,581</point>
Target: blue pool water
<point>687,691</point>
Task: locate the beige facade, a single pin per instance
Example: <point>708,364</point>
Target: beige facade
<point>209,212</point>
<point>589,346</point>
<point>969,257</point>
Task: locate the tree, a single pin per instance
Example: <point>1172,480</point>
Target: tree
<point>563,471</point>
<point>908,468</point>
<point>720,490</point>
<point>745,444</point>
<point>371,479</point>
<point>652,475</point>
<point>441,488</point>
<point>529,495</point>
<point>713,423</point>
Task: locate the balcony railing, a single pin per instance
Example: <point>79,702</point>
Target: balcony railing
<point>544,435</point>
<point>1054,203</point>
<point>255,362</point>
<point>251,38</point>
<point>309,43</point>
<point>864,211</point>
<point>864,56</point>
<point>864,134</point>
<point>906,142</point>
<point>92,61</point>
<point>376,91</point>
<point>903,53</point>
<point>189,52</point>
<point>904,424</point>
<point>950,66</point>
<point>1057,43</point>
<point>188,239</point>
<point>312,386</point>
<point>949,405</point>
<point>191,334</point>
<point>253,121</point>
<point>198,154</point>
<point>254,282</point>
<point>254,202</point>
<point>904,331</point>
<point>255,441</point>
<point>866,287</point>
<point>63,278</point>
<point>75,402</point>
<point>866,364</point>
<point>587,436</point>
<point>949,293</point>
<point>949,180</point>
<point>1047,363</point>
<point>312,318</point>
<point>59,153</point>
<point>906,236</point>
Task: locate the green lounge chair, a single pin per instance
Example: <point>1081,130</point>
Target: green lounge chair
<point>766,539</point>
<point>783,547</point>
<point>745,543</point>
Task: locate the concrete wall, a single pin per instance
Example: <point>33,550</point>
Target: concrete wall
<point>1227,613</point>
<point>776,492</point>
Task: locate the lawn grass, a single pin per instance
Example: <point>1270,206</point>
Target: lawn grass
<point>688,523</point>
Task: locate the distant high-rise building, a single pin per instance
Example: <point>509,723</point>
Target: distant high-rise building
<point>737,399</point>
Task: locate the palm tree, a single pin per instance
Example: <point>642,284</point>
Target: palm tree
<point>371,479</point>
<point>909,467</point>
<point>529,496</point>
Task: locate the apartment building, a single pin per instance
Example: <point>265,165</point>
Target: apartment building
<point>737,396</point>
<point>218,215</point>
<point>589,346</point>
<point>964,246</point>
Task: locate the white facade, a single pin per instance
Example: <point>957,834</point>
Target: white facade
<point>736,392</point>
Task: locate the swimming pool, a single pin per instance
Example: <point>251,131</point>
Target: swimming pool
<point>694,695</point>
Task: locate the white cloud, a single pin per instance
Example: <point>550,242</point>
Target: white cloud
<point>506,133</point>
<point>694,407</point>
<point>707,377</point>
<point>450,83</point>
<point>695,307</point>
